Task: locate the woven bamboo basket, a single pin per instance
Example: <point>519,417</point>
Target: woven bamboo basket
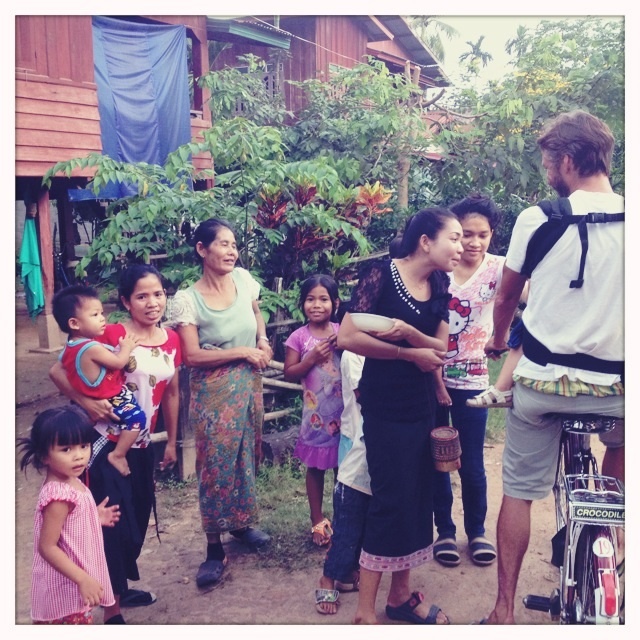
<point>445,448</point>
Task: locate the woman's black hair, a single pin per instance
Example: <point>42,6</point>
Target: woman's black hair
<point>206,233</point>
<point>321,280</point>
<point>130,276</point>
<point>477,203</point>
<point>395,247</point>
<point>66,425</point>
<point>427,222</point>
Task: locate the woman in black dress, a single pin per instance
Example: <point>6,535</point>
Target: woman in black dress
<point>398,401</point>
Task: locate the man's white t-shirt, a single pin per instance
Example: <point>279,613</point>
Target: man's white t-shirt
<point>586,320</point>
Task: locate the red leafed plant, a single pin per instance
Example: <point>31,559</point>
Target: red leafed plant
<point>368,202</point>
<point>272,207</point>
<point>303,194</point>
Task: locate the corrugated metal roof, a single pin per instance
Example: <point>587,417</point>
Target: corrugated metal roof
<point>403,34</point>
<point>245,29</point>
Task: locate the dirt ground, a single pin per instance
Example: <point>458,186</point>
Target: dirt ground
<point>248,594</point>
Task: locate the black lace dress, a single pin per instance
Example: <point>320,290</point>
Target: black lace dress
<point>398,407</point>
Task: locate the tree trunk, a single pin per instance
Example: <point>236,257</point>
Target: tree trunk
<point>403,182</point>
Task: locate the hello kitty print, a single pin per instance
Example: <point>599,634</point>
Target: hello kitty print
<point>471,325</point>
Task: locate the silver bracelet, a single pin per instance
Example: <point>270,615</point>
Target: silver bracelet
<point>263,338</point>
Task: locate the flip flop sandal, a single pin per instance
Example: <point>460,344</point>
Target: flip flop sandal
<point>407,612</point>
<point>324,529</point>
<point>332,596</point>
<point>491,398</point>
<point>137,598</point>
<point>117,619</point>
<point>483,553</point>
<point>253,538</point>
<point>210,572</point>
<point>445,551</point>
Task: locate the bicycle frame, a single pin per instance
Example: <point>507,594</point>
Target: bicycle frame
<point>589,508</point>
<point>590,589</point>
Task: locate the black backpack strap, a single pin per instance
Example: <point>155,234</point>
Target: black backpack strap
<point>560,216</point>
<point>582,222</point>
<point>584,241</point>
<point>538,353</point>
<point>547,234</point>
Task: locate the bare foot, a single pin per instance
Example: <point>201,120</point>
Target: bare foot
<point>120,464</point>
<point>329,608</point>
<point>365,618</point>
<point>494,618</point>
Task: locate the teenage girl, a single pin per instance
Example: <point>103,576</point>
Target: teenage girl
<point>311,357</point>
<point>474,284</point>
<point>69,574</point>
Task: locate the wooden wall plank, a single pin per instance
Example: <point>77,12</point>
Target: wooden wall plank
<point>57,46</point>
<point>58,92</point>
<point>81,48</point>
<point>58,139</point>
<point>51,155</point>
<point>25,52</point>
<point>38,169</point>
<point>36,122</point>
<point>63,109</point>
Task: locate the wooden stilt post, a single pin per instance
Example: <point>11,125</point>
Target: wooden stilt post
<point>49,336</point>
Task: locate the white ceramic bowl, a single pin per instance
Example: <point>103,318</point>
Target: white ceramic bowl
<point>371,322</point>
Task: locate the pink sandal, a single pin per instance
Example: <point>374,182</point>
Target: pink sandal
<point>324,529</point>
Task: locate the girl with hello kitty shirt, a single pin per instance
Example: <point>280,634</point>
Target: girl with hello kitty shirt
<point>474,283</point>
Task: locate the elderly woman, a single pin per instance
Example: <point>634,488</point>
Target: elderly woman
<point>223,340</point>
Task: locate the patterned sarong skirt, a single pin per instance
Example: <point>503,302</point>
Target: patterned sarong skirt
<point>226,413</point>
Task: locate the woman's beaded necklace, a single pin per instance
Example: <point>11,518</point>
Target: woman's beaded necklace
<point>401,289</point>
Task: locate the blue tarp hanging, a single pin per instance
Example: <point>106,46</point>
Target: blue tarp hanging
<point>30,269</point>
<point>143,91</point>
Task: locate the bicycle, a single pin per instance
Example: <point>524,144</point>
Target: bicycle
<point>589,510</point>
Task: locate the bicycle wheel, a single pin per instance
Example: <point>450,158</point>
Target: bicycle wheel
<point>597,593</point>
<point>559,491</point>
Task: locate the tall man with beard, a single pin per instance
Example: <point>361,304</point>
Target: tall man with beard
<point>573,342</point>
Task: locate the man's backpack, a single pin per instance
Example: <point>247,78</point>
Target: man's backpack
<point>560,216</point>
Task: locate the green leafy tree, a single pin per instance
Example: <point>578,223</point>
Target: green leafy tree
<point>558,66</point>
<point>321,226</point>
<point>475,56</point>
<point>241,91</point>
<point>431,30</point>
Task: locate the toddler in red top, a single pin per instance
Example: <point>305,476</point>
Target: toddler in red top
<point>95,369</point>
